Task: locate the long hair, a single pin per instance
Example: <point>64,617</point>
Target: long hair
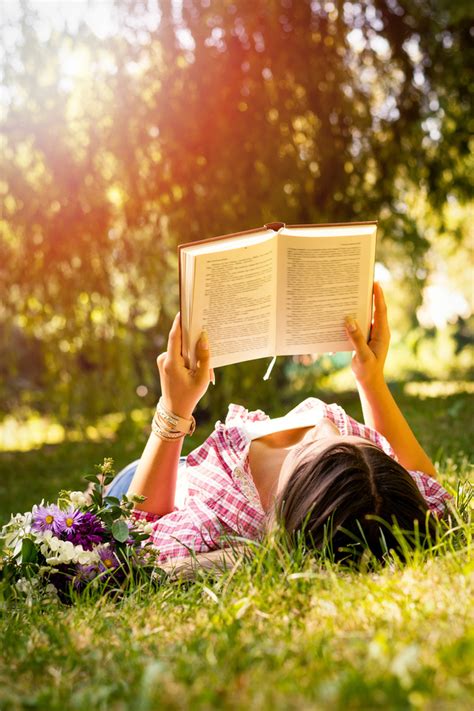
<point>353,498</point>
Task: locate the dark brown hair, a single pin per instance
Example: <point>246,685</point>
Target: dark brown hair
<point>338,499</point>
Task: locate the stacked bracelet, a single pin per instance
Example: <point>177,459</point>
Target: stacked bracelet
<point>168,426</point>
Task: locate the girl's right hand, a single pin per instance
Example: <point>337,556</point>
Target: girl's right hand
<point>182,388</point>
<point>368,359</point>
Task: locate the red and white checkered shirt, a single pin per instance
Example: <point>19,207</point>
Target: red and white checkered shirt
<point>222,499</point>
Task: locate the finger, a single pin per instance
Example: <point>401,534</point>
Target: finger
<point>160,361</point>
<point>380,328</point>
<point>174,338</point>
<point>212,376</point>
<point>203,356</point>
<point>357,339</point>
<point>379,299</point>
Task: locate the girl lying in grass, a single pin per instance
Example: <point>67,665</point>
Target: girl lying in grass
<point>317,472</point>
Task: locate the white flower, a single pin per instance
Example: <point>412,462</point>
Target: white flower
<point>87,558</point>
<point>57,551</point>
<point>54,560</point>
<point>17,528</point>
<point>79,498</point>
<point>145,526</point>
<point>54,543</point>
<point>44,535</point>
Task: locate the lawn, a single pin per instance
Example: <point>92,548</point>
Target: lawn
<point>275,632</point>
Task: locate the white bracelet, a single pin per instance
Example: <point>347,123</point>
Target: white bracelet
<point>164,432</point>
<point>168,426</point>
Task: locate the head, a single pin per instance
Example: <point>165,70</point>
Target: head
<point>334,489</point>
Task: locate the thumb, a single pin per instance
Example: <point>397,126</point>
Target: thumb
<point>357,339</point>
<point>202,354</point>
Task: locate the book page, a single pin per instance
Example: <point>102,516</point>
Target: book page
<point>323,279</point>
<point>235,301</point>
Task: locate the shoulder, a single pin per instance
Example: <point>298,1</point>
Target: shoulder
<point>237,415</point>
<point>346,424</point>
<point>432,491</point>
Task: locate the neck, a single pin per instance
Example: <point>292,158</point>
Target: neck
<point>266,456</point>
<point>265,465</point>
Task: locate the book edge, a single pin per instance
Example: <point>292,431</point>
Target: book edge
<point>255,230</point>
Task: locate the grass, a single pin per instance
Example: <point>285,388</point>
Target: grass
<point>275,632</point>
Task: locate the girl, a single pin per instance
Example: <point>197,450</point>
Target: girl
<point>316,471</point>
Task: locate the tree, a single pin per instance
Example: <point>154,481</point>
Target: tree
<point>219,120</point>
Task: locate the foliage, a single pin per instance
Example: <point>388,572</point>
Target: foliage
<point>222,119</point>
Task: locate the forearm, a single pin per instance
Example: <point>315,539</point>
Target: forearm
<point>181,389</point>
<point>156,475</point>
<point>382,413</point>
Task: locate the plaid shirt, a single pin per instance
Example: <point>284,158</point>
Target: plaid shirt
<point>222,499</point>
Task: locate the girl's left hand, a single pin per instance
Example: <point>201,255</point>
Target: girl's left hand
<point>181,387</point>
<point>369,358</point>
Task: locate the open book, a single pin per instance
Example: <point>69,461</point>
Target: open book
<point>276,290</point>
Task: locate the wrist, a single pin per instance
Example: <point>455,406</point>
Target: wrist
<point>184,410</point>
<point>371,384</point>
<point>168,425</point>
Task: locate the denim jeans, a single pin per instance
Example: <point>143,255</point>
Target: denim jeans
<point>121,482</point>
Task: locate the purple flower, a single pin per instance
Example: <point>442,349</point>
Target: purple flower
<point>67,521</point>
<point>45,518</point>
<point>108,559</point>
<point>84,574</point>
<point>87,532</point>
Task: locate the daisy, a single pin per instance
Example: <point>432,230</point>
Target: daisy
<point>67,521</point>
<point>108,560</point>
<point>44,518</point>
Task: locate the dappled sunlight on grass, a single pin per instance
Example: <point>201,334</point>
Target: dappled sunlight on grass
<point>438,388</point>
<point>23,434</point>
<point>260,636</point>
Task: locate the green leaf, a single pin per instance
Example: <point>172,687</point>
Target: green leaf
<point>96,498</point>
<point>91,477</point>
<point>29,553</point>
<point>115,512</point>
<point>120,531</point>
<point>111,500</point>
<point>107,518</point>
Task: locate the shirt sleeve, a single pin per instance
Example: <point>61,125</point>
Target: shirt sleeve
<point>232,436</point>
<point>181,532</point>
<point>434,494</point>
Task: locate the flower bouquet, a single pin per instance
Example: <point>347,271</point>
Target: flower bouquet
<point>85,541</point>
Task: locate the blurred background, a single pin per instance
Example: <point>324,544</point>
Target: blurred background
<point>129,127</point>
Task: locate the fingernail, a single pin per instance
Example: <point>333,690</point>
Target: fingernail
<point>204,341</point>
<point>213,379</point>
<point>351,324</point>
